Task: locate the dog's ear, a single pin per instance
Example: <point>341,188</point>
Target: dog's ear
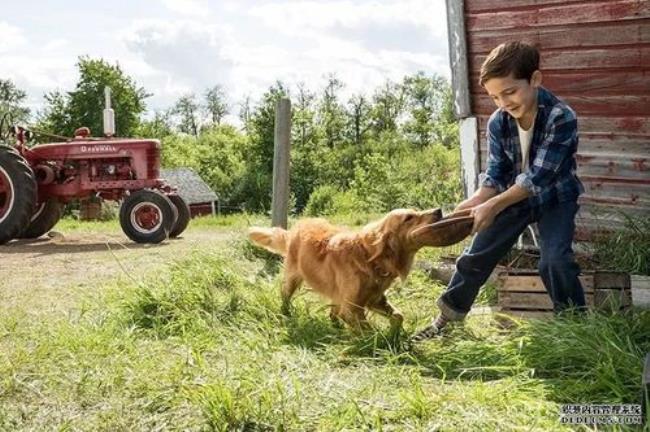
<point>446,232</point>
<point>374,243</point>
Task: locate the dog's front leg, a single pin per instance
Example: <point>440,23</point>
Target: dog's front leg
<point>335,315</point>
<point>354,316</point>
<point>289,287</point>
<point>383,307</point>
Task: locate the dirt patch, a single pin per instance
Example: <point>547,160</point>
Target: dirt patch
<point>51,274</point>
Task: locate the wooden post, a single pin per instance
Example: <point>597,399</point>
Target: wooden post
<point>458,57</point>
<point>282,146</point>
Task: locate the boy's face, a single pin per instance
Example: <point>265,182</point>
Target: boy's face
<point>517,96</point>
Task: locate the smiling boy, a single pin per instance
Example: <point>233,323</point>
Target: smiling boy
<point>530,177</point>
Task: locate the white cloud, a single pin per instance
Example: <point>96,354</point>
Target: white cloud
<point>243,45</point>
<point>188,7</point>
<point>297,16</point>
<point>11,37</point>
<point>180,56</point>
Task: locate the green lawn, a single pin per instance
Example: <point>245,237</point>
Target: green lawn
<point>203,346</point>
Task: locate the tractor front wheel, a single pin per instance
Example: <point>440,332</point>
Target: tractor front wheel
<point>183,215</point>
<point>147,216</point>
<point>17,193</point>
<point>47,214</point>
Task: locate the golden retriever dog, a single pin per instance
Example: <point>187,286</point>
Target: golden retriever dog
<point>354,269</point>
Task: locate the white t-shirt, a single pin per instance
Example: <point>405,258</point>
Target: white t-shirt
<point>525,138</point>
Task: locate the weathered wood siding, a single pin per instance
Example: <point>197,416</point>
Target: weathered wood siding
<point>596,56</point>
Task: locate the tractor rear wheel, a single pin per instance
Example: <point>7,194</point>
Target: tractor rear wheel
<point>17,193</point>
<point>47,214</point>
<point>183,215</point>
<point>147,216</point>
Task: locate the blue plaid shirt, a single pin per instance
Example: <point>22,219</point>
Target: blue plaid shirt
<point>551,175</point>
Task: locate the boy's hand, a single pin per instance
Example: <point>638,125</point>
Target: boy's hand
<point>467,204</point>
<point>484,215</point>
<point>480,196</point>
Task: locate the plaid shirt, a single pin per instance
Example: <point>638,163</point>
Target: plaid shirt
<point>551,175</point>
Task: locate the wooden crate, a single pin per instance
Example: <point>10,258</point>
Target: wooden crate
<point>640,291</point>
<point>521,293</point>
<point>90,210</point>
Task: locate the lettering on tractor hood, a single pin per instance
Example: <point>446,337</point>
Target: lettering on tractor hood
<point>98,148</point>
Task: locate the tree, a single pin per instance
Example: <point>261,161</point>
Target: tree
<point>84,105</point>
<point>303,117</point>
<point>158,127</point>
<point>215,104</point>
<point>359,118</point>
<point>245,113</point>
<point>187,111</point>
<point>12,101</point>
<point>388,106</point>
<point>429,108</point>
<point>331,113</point>
<point>254,192</point>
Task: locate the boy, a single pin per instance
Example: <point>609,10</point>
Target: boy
<point>530,177</point>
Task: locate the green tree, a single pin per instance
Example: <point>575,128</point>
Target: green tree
<point>255,190</point>
<point>12,100</point>
<point>215,104</point>
<point>305,163</point>
<point>388,105</point>
<point>331,114</point>
<point>84,105</point>
<point>217,155</point>
<point>359,119</point>
<point>186,110</point>
<point>430,109</point>
<point>303,124</point>
<point>159,127</point>
<point>245,113</point>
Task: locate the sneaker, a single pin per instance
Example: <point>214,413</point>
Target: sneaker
<point>429,332</point>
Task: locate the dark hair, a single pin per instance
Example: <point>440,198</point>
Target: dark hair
<point>517,58</point>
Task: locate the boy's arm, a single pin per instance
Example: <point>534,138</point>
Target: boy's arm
<point>557,145</point>
<point>485,213</point>
<point>499,170</point>
<point>499,167</point>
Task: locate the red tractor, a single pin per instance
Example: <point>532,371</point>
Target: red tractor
<point>36,183</point>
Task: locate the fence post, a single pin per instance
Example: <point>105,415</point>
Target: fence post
<point>282,147</point>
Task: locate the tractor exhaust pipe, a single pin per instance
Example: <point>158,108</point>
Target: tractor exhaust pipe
<point>109,114</point>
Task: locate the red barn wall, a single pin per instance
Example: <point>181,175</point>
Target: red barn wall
<point>596,56</point>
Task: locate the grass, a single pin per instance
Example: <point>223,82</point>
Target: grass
<point>626,249</point>
<point>203,346</point>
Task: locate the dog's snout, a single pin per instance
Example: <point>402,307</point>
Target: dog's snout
<point>434,215</point>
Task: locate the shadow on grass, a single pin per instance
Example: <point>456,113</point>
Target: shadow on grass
<point>590,358</point>
<point>594,358</point>
<point>313,333</point>
<point>46,246</point>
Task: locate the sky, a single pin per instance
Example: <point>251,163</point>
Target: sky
<point>176,47</point>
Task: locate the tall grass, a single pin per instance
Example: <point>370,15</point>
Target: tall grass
<point>205,347</point>
<point>626,249</point>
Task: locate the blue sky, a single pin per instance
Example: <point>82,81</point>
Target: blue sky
<point>174,47</point>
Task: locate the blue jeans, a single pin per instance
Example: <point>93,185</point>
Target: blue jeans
<point>557,266</point>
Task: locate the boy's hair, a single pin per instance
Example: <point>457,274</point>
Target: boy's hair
<point>516,58</point>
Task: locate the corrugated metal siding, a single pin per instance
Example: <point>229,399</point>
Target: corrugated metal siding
<point>595,56</point>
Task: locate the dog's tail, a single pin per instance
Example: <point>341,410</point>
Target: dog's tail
<point>271,239</point>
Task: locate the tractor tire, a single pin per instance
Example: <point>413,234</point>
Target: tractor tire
<point>147,216</point>
<point>183,215</point>
<point>17,194</point>
<point>43,220</point>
